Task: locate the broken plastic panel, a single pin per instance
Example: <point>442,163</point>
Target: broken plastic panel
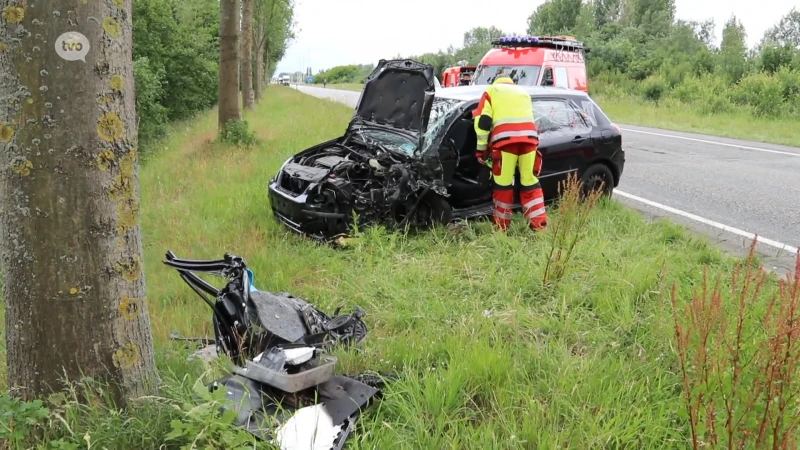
<point>309,374</point>
<point>328,412</point>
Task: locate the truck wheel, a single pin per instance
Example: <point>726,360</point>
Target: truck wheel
<point>598,177</point>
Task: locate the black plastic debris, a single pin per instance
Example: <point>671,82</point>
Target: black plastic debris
<point>283,374</point>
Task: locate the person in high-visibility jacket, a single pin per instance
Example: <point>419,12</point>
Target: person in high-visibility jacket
<point>506,131</point>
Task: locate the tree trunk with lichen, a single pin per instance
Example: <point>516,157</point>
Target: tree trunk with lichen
<point>70,238</point>
<point>247,53</point>
<point>259,69</point>
<point>228,62</point>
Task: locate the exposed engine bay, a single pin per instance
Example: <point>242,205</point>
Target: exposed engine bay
<point>363,183</point>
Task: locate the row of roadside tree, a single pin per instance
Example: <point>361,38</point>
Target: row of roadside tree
<point>176,51</point>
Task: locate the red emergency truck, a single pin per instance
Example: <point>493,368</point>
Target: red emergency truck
<point>458,76</point>
<point>536,61</point>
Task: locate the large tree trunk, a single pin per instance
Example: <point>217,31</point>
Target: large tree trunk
<point>229,62</point>
<point>69,200</point>
<point>259,51</point>
<point>247,53</point>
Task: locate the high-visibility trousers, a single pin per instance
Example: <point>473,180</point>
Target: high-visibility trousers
<point>504,162</point>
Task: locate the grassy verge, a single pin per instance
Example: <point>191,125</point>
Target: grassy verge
<point>347,86</point>
<point>489,356</point>
<point>674,115</point>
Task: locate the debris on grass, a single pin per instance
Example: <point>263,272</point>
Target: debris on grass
<point>283,387</point>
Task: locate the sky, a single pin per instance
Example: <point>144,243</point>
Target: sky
<point>332,33</point>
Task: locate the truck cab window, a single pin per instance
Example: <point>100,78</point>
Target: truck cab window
<point>547,77</point>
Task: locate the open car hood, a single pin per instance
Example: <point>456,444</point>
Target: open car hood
<point>394,95</point>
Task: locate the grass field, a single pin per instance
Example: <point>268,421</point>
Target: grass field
<point>488,355</point>
<point>673,115</point>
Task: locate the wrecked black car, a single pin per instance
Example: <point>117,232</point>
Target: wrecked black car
<point>283,386</point>
<point>408,156</point>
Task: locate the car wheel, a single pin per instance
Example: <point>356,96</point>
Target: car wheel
<point>598,177</point>
<point>432,210</point>
<point>437,209</point>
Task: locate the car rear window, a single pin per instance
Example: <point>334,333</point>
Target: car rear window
<point>557,115</point>
<point>593,111</point>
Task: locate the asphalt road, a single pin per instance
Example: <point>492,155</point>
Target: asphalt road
<point>725,189</point>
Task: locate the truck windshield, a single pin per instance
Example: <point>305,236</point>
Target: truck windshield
<point>522,75</point>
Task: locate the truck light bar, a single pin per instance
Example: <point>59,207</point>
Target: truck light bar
<point>556,42</point>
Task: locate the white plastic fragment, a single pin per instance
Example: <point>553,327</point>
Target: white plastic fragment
<point>295,356</point>
<point>310,428</point>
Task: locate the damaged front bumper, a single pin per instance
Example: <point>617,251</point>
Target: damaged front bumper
<point>325,191</point>
<point>294,212</point>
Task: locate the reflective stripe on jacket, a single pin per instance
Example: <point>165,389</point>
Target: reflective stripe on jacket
<point>504,116</point>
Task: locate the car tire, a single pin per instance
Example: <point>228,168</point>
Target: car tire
<point>432,210</point>
<point>441,212</point>
<point>598,177</point>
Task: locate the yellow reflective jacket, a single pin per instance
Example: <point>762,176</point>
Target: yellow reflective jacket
<point>504,116</point>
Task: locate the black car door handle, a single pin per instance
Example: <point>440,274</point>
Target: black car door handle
<point>578,139</point>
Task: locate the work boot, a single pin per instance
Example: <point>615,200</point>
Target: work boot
<point>538,223</point>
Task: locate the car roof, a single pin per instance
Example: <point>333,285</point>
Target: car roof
<point>473,92</point>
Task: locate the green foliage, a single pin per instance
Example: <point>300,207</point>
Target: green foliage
<point>205,426</point>
<point>760,92</point>
<point>19,420</point>
<point>154,117</point>
<point>554,17</point>
<point>176,57</point>
<point>237,132</point>
<point>733,51</point>
<point>653,88</point>
<point>176,53</point>
<point>353,73</point>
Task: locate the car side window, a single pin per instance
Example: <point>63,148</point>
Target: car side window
<point>561,77</point>
<point>588,108</point>
<point>558,116</point>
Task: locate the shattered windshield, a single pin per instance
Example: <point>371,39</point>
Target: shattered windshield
<point>392,141</point>
<point>441,110</point>
<point>522,75</point>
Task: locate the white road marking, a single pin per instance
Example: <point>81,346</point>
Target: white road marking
<point>705,141</point>
<point>703,220</point>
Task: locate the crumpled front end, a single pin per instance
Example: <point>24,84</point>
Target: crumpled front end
<point>326,191</point>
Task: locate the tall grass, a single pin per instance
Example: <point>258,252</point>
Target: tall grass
<point>739,356</point>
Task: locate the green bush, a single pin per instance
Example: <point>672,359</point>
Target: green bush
<point>761,93</point>
<point>789,80</point>
<point>153,116</point>
<point>237,132</point>
<point>708,92</point>
<point>653,88</point>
